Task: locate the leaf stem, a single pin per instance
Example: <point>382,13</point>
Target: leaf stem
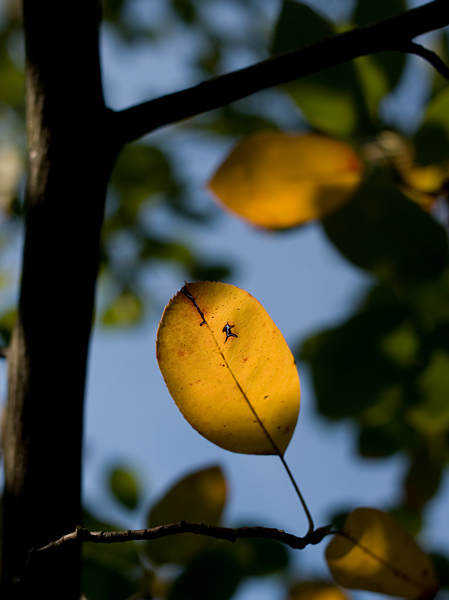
<point>298,493</point>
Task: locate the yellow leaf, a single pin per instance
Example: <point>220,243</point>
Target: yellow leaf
<point>423,184</point>
<point>316,590</point>
<point>240,388</point>
<point>199,497</point>
<point>277,180</point>
<point>377,554</point>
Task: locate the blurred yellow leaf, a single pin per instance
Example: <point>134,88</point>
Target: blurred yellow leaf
<point>199,497</point>
<point>377,554</point>
<point>423,184</point>
<point>316,590</point>
<point>239,387</point>
<point>277,180</point>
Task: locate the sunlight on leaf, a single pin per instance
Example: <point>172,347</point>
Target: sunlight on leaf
<point>199,497</point>
<point>377,554</point>
<point>277,180</point>
<point>221,380</point>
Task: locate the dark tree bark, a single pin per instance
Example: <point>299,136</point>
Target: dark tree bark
<point>70,156</point>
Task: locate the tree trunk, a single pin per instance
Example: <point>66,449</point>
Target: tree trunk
<point>70,158</point>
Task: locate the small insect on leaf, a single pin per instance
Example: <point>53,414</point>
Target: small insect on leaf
<point>227,329</point>
<point>242,395</point>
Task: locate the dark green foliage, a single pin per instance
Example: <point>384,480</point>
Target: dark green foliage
<point>367,12</point>
<point>214,574</point>
<point>125,486</point>
<point>382,231</point>
<point>260,557</point>
<point>109,570</point>
<point>432,138</point>
<point>351,366</point>
<point>441,564</point>
<point>331,100</point>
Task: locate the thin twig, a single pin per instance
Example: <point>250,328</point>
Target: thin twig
<point>429,55</point>
<point>81,535</point>
<point>390,34</point>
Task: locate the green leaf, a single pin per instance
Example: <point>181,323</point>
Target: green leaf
<point>432,138</point>
<point>108,570</point>
<point>204,272</point>
<point>7,320</point>
<point>380,72</point>
<point>368,12</point>
<point>100,581</point>
<point>350,370</point>
<point>214,574</point>
<point>12,90</point>
<point>431,414</point>
<point>124,310</point>
<point>185,10</point>
<point>198,498</point>
<point>331,100</point>
<point>125,486</point>
<point>140,172</point>
<point>384,232</point>
<point>259,557</point>
<point>379,441</point>
<point>230,121</point>
<point>423,477</point>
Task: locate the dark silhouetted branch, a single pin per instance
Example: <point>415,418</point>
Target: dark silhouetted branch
<point>221,533</point>
<point>391,34</point>
<point>430,56</point>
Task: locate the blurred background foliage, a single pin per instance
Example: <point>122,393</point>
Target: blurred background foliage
<point>386,368</point>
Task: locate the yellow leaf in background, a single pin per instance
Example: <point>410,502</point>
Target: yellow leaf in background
<point>377,554</point>
<point>423,184</point>
<point>199,497</point>
<point>232,376</point>
<point>316,590</point>
<point>277,180</point>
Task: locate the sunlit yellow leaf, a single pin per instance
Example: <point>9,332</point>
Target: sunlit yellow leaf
<point>316,590</point>
<point>277,180</point>
<point>199,497</point>
<point>376,553</point>
<point>242,392</point>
